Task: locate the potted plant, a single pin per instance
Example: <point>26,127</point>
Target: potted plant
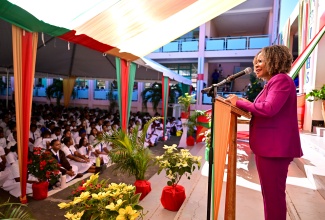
<point>101,200</point>
<point>46,169</point>
<point>317,94</point>
<point>185,102</point>
<point>175,163</point>
<point>191,123</point>
<point>130,156</point>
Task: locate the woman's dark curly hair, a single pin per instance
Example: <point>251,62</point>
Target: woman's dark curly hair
<point>277,58</point>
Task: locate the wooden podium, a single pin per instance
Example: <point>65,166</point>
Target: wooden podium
<point>224,138</point>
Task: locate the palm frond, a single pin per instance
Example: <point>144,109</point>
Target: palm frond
<point>128,151</point>
<point>14,211</point>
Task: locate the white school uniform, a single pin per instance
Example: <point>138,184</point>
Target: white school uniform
<point>11,185</point>
<point>82,167</point>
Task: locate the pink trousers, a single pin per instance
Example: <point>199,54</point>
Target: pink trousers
<point>273,172</point>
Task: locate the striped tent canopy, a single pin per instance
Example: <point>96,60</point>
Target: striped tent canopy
<point>128,29</point>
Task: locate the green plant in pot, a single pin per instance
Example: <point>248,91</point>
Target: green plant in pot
<point>191,123</point>
<point>315,95</point>
<point>176,163</point>
<point>130,156</point>
<point>185,102</point>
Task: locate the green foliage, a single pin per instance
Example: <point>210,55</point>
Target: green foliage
<point>316,94</point>
<point>254,88</point>
<point>191,123</point>
<point>55,90</point>
<point>14,211</point>
<point>154,94</point>
<point>128,151</point>
<point>112,101</point>
<point>177,163</point>
<point>101,200</point>
<point>185,101</point>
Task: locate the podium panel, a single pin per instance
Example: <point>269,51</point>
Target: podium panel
<point>224,140</point>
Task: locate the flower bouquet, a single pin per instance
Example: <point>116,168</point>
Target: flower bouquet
<point>46,169</point>
<point>100,200</point>
<point>176,163</point>
<point>43,166</point>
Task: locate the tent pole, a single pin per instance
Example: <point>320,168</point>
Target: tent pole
<point>7,88</point>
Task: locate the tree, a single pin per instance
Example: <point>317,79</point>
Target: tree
<point>55,90</point>
<point>154,94</point>
<point>254,88</point>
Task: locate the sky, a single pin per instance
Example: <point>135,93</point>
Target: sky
<point>286,8</point>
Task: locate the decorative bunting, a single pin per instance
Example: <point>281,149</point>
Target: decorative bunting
<point>24,56</point>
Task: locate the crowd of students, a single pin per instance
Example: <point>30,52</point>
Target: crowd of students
<point>70,135</point>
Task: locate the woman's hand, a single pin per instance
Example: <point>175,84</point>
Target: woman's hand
<point>232,99</point>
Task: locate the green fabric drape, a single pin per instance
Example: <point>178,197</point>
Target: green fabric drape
<point>125,72</point>
<point>165,95</point>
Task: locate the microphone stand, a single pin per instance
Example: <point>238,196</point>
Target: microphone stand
<point>211,93</point>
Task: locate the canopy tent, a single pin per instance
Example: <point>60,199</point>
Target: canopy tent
<point>59,58</point>
<point>124,28</point>
<point>127,29</point>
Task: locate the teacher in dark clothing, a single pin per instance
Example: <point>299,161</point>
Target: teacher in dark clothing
<point>274,135</point>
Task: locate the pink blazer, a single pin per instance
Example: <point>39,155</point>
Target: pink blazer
<point>274,124</point>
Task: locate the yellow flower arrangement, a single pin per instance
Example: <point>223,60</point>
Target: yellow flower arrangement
<point>177,163</point>
<point>101,200</point>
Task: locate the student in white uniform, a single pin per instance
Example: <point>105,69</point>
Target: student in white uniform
<point>71,171</point>
<point>44,141</point>
<point>3,171</point>
<point>75,158</point>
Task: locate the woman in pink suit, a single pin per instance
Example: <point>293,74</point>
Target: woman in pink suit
<point>274,135</point>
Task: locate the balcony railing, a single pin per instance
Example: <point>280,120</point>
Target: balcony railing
<point>182,45</point>
<point>215,44</point>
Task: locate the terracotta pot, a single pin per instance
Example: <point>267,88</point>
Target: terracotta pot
<point>185,114</point>
<point>143,187</point>
<point>172,198</point>
<point>190,141</point>
<point>40,190</point>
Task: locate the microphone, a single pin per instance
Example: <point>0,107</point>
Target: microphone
<point>248,70</point>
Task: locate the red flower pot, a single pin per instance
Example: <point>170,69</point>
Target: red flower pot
<point>184,114</point>
<point>172,198</point>
<point>190,141</point>
<point>143,187</point>
<point>40,190</point>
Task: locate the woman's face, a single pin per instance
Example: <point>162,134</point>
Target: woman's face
<point>260,67</point>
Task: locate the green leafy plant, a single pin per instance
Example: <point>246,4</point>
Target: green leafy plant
<point>15,211</point>
<point>254,88</point>
<point>185,101</point>
<point>112,100</point>
<point>103,200</point>
<point>191,123</point>
<point>55,90</point>
<point>177,163</point>
<point>128,152</point>
<point>43,166</point>
<point>316,94</point>
<point>153,94</point>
